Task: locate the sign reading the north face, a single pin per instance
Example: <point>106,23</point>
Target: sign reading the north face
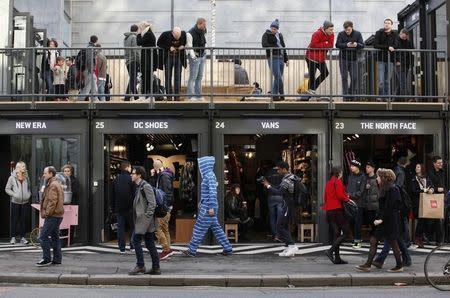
<point>31,125</point>
<point>150,125</point>
<point>388,125</point>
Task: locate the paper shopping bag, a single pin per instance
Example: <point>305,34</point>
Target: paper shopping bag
<point>431,206</point>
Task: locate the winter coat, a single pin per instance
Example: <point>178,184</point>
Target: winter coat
<point>269,40</point>
<point>240,75</point>
<point>400,175</point>
<point>46,61</point>
<point>415,189</point>
<point>372,193</point>
<point>233,205</point>
<point>437,179</point>
<point>286,190</point>
<point>382,42</point>
<point>346,53</point>
<point>102,65</point>
<point>52,204</point>
<point>71,82</point>
<point>131,55</point>
<point>165,41</point>
<point>144,206</point>
<point>164,181</point>
<point>148,56</point>
<point>123,193</point>
<point>18,191</point>
<point>356,186</point>
<point>334,194</point>
<point>196,38</point>
<point>319,40</point>
<point>208,187</point>
<point>405,58</point>
<point>389,212</point>
<point>90,57</point>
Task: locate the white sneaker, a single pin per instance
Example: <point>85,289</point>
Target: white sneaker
<point>292,249</point>
<point>283,253</point>
<point>24,241</point>
<point>13,240</point>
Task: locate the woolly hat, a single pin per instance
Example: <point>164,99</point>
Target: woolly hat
<point>327,24</point>
<point>356,163</point>
<point>371,164</point>
<point>275,24</point>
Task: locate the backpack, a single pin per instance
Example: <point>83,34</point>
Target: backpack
<point>301,193</point>
<point>405,205</point>
<point>161,207</point>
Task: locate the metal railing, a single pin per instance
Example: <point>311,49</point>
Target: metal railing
<point>214,75</point>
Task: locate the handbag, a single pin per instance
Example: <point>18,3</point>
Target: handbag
<point>350,209</point>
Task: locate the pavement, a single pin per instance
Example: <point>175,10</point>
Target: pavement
<point>250,266</point>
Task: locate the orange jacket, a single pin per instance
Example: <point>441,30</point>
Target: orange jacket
<point>53,199</point>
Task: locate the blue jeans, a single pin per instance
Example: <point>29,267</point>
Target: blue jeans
<point>122,219</point>
<point>133,69</point>
<point>403,80</point>
<point>276,65</point>
<point>406,257</point>
<point>275,211</point>
<point>149,239</point>
<point>385,72</point>
<point>349,67</point>
<point>172,67</point>
<point>51,229</point>
<point>90,85</point>
<point>47,76</point>
<point>101,88</point>
<point>196,69</point>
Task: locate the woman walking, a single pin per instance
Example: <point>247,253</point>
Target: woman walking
<point>334,197</point>
<point>388,225</point>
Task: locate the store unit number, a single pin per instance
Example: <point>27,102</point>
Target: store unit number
<point>220,125</point>
<point>99,125</point>
<point>339,125</point>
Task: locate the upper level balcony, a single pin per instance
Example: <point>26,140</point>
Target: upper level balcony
<point>213,78</point>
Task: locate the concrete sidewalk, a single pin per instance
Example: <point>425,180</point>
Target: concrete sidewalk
<point>263,270</point>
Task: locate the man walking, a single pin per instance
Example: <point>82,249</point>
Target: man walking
<point>349,41</point>
<point>122,204</point>
<point>356,185</point>
<point>164,182</point>
<point>132,61</point>
<point>276,56</point>
<point>196,41</point>
<point>145,225</point>
<point>208,210</point>
<point>52,210</point>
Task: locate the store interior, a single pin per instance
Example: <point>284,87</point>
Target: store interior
<point>248,157</point>
<point>178,152</point>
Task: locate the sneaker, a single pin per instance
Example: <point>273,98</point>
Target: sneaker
<point>122,252</point>
<point>340,262</point>
<point>226,253</point>
<point>364,268</point>
<point>165,254</point>
<point>154,271</point>
<point>56,263</point>
<point>291,250</point>
<point>283,253</point>
<point>377,264</point>
<point>357,245</point>
<point>43,263</point>
<point>132,250</point>
<point>330,256</point>
<point>396,269</point>
<point>311,92</point>
<point>407,263</point>
<point>137,270</point>
<point>188,253</point>
<point>24,241</point>
<point>13,240</point>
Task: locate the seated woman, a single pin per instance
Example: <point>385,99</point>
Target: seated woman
<point>236,209</point>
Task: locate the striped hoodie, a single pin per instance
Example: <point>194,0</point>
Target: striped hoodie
<point>208,190</point>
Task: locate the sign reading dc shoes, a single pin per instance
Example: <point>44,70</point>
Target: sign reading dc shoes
<point>150,124</point>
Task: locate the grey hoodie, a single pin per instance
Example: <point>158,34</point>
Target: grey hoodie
<point>130,40</point>
<point>19,192</point>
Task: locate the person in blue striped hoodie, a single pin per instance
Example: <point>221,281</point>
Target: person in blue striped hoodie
<point>207,210</point>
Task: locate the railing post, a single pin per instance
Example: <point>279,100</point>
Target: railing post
<point>331,75</point>
<point>33,75</point>
<point>211,75</point>
<point>152,96</point>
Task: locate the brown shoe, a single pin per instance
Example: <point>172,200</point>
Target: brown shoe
<point>364,268</point>
<point>377,264</point>
<point>137,270</point>
<point>154,271</point>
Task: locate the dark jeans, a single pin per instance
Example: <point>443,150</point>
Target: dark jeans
<point>403,80</point>
<point>276,65</point>
<point>341,229</point>
<point>133,69</point>
<point>349,67</point>
<point>358,223</point>
<point>283,232</point>
<point>312,67</point>
<point>19,217</point>
<point>51,229</point>
<point>434,228</point>
<point>47,76</point>
<point>275,211</point>
<point>122,220</point>
<point>406,257</point>
<point>172,67</point>
<point>149,239</point>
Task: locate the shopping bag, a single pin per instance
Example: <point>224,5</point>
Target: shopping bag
<point>431,206</point>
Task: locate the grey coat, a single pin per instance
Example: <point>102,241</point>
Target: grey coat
<point>131,55</point>
<point>19,192</point>
<point>144,209</point>
<point>371,196</point>
<point>356,186</point>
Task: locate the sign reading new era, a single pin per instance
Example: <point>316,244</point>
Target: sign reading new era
<point>31,125</point>
<point>388,125</point>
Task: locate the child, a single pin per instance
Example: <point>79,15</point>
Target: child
<point>71,81</point>
<point>59,79</point>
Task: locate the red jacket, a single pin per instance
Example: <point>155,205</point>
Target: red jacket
<point>319,40</point>
<point>334,195</point>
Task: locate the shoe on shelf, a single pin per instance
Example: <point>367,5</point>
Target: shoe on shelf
<point>188,253</point>
<point>396,269</point>
<point>13,240</point>
<point>364,268</point>
<point>137,270</point>
<point>154,271</point>
<point>43,263</point>
<point>357,245</point>
<point>24,241</point>
<point>377,264</point>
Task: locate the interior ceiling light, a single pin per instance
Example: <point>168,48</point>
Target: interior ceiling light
<point>356,135</point>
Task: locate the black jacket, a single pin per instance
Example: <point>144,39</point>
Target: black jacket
<point>165,42</point>
<point>123,193</point>
<point>400,175</point>
<point>269,40</point>
<point>405,58</point>
<point>438,179</point>
<point>347,53</point>
<point>415,189</point>
<point>148,40</point>
<point>382,42</point>
<point>164,181</point>
<point>356,186</point>
<point>389,212</point>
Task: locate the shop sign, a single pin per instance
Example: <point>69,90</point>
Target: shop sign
<point>31,125</point>
<point>150,124</point>
<point>380,125</point>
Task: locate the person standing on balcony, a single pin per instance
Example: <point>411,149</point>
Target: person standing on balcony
<point>195,42</point>
<point>349,41</point>
<point>173,44</point>
<point>386,40</point>
<point>403,62</point>
<point>276,56</point>
<point>102,66</point>
<point>132,60</point>
<point>85,62</point>
<point>48,62</point>
<point>149,56</point>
